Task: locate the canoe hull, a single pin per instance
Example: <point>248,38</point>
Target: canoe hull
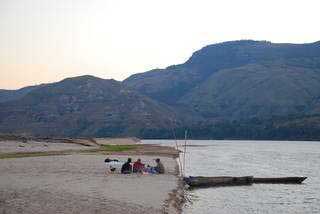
<point>200,181</point>
<point>281,180</point>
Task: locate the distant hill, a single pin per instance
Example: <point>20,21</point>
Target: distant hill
<point>8,95</point>
<point>240,89</point>
<point>256,91</point>
<point>238,80</point>
<point>83,106</point>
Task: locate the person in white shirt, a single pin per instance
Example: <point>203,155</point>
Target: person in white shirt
<point>113,165</point>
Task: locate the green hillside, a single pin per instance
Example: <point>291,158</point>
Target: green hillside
<point>240,89</point>
<point>83,106</point>
<point>256,91</point>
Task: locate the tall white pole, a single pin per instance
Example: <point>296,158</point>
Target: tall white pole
<point>185,150</point>
<point>177,147</point>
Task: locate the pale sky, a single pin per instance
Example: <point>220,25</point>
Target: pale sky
<point>47,40</point>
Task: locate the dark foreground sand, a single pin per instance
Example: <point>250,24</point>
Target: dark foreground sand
<point>77,183</point>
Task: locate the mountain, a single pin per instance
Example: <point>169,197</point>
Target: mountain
<point>8,95</point>
<point>240,89</point>
<point>256,91</point>
<point>239,80</point>
<point>83,106</point>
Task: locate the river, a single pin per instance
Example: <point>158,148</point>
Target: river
<point>256,158</point>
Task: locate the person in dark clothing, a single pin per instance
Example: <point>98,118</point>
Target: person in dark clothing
<point>126,167</point>
<point>159,167</point>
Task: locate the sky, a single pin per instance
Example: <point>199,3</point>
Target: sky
<point>45,41</point>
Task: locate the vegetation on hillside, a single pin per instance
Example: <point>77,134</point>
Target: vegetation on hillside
<point>232,90</point>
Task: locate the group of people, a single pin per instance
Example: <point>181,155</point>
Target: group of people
<point>137,167</point>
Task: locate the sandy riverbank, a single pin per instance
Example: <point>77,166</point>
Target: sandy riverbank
<point>77,183</point>
<point>39,146</point>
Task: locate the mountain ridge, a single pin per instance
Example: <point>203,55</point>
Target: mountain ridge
<point>221,91</point>
<point>83,106</point>
<point>207,60</point>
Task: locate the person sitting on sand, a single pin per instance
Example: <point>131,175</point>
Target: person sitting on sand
<point>113,165</point>
<point>159,168</point>
<point>138,167</point>
<point>126,167</point>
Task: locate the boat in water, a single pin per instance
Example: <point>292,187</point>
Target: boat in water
<point>200,181</point>
<point>280,180</point>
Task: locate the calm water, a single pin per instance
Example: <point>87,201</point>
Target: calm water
<point>257,158</point>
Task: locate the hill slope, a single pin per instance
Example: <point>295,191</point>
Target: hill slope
<point>170,84</point>
<point>256,91</point>
<point>239,89</point>
<point>9,95</point>
<point>83,106</point>
<point>239,80</point>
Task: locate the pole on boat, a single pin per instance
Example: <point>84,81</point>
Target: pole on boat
<point>177,147</point>
<point>184,152</point>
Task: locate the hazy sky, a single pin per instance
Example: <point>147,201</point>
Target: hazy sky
<point>48,40</point>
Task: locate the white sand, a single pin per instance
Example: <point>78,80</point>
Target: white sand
<point>78,184</point>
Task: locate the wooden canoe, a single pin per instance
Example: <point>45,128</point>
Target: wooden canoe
<point>200,181</point>
<point>281,180</point>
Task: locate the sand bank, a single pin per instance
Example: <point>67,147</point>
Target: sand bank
<point>77,183</point>
<point>39,146</point>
